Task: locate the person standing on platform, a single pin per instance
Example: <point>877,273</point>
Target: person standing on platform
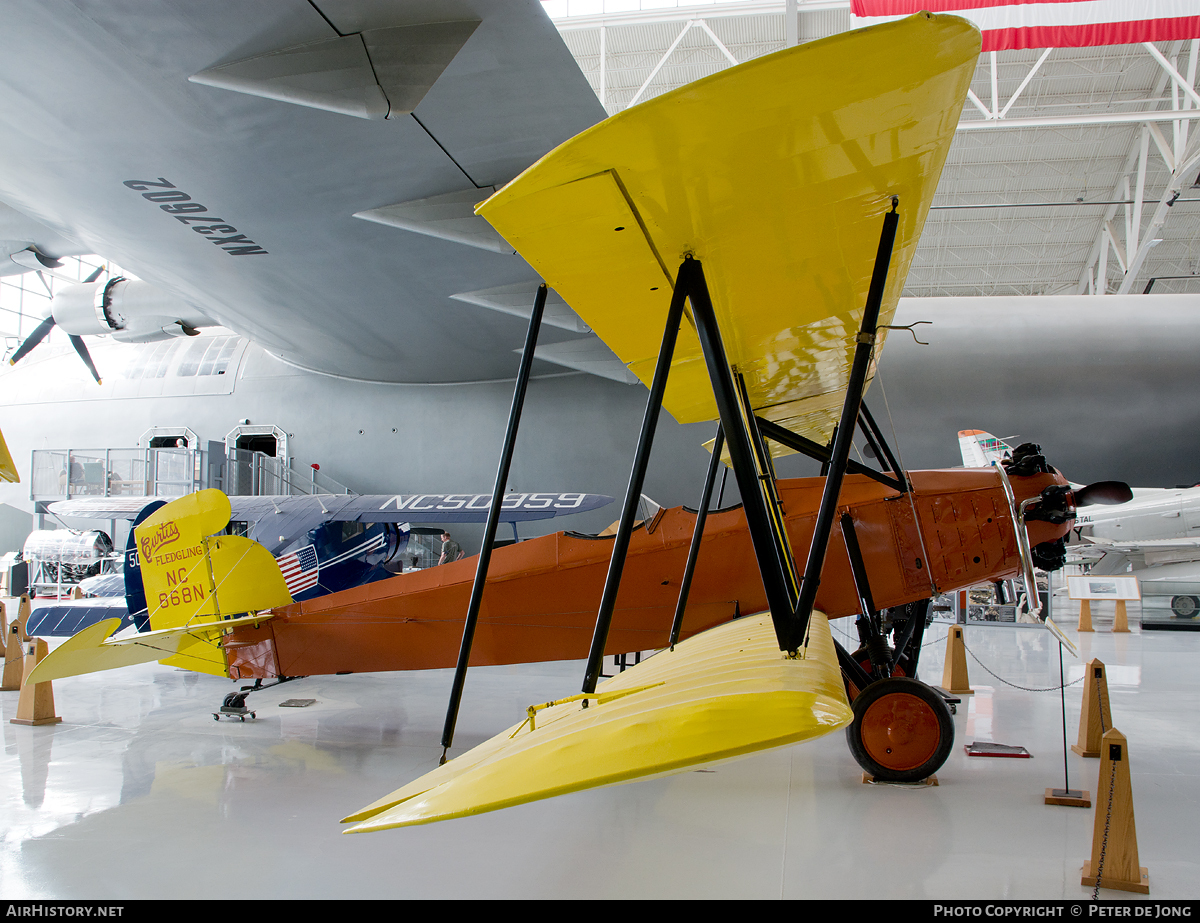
<point>451,550</point>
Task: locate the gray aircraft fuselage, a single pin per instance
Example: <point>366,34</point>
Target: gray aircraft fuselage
<point>1107,399</point>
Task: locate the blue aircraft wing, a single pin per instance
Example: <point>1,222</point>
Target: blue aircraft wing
<point>422,508</point>
<point>63,618</point>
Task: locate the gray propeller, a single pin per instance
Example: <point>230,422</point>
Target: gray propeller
<point>43,329</point>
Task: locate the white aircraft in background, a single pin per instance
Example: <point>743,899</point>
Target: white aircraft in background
<point>1155,536</point>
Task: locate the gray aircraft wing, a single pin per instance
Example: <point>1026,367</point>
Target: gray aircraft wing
<point>1145,547</point>
<point>1150,551</point>
<point>301,171</point>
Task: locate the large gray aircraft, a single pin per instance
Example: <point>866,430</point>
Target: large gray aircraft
<point>304,173</point>
<point>237,157</point>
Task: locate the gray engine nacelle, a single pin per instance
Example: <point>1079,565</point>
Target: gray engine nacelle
<point>127,310</point>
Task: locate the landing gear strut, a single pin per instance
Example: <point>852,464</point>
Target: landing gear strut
<point>902,729</point>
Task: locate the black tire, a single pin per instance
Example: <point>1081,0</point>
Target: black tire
<point>902,730</point>
<point>1186,607</point>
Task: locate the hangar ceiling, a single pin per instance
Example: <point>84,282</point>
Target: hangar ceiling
<point>1069,172</point>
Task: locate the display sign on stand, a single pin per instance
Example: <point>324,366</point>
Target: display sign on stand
<point>1090,586</point>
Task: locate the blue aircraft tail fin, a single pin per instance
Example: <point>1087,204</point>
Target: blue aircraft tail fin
<point>135,593</point>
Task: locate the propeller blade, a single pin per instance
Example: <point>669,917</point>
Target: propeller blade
<point>94,274</point>
<point>81,348</point>
<point>1103,492</point>
<point>32,340</point>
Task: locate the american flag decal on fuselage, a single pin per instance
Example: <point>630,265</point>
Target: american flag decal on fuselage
<point>300,569</point>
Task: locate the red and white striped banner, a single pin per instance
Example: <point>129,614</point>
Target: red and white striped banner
<point>1051,23</point>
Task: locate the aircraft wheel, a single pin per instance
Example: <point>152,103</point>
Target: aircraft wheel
<point>1186,607</point>
<point>902,730</point>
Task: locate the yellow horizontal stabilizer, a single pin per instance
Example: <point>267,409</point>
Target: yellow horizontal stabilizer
<point>721,694</point>
<point>8,468</point>
<point>92,650</point>
<point>192,576</point>
<point>776,175</point>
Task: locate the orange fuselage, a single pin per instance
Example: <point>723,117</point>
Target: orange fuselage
<point>542,594</point>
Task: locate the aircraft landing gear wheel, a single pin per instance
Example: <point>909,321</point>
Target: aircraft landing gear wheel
<point>1186,607</point>
<point>902,730</point>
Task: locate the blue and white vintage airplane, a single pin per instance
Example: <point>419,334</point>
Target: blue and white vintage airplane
<point>323,542</point>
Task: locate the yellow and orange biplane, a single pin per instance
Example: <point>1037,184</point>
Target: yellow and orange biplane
<point>740,244</point>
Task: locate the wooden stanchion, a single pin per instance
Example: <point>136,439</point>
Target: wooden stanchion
<point>36,705</point>
<point>1114,861</point>
<point>14,653</point>
<point>1121,620</point>
<point>1085,615</point>
<point>954,674</point>
<point>1096,715</point>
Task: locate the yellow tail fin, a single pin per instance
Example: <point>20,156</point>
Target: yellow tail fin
<point>193,576</point>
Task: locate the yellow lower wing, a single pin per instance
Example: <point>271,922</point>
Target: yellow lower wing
<point>721,694</point>
<point>91,650</point>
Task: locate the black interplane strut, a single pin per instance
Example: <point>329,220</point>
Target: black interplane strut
<point>637,477</point>
<point>840,454</point>
<point>790,600</point>
<point>493,520</point>
<point>821,453</point>
<point>697,534</point>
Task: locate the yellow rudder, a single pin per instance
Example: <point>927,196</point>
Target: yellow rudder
<point>193,576</point>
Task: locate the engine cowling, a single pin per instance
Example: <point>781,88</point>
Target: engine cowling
<point>128,310</point>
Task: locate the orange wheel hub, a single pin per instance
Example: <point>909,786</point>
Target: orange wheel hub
<point>900,731</point>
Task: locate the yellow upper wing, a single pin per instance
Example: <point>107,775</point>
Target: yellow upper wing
<point>775,174</point>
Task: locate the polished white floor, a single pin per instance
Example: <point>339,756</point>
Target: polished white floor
<point>139,793</point>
